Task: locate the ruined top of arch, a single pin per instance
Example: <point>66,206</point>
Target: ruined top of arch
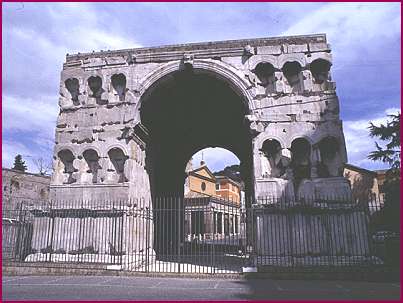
<point>270,45</point>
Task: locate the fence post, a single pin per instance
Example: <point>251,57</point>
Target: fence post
<point>18,241</point>
<point>179,232</point>
<point>52,231</point>
<point>147,217</point>
<point>121,232</point>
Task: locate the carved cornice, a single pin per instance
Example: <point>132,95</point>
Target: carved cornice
<point>199,50</point>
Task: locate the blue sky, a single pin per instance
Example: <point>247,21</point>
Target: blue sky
<point>365,39</point>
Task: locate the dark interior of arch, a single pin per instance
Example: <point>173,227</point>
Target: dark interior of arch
<point>184,112</point>
<point>187,111</point>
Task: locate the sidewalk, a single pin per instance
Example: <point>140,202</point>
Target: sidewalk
<point>148,288</point>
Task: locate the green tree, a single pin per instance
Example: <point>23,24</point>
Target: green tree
<point>390,154</point>
<point>19,164</point>
<point>232,172</point>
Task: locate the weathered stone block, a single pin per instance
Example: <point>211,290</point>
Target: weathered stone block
<point>269,50</point>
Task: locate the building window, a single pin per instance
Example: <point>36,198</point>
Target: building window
<point>217,186</point>
<point>203,186</point>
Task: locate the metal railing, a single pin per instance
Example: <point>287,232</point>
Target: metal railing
<point>196,235</point>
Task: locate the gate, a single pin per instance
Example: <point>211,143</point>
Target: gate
<point>200,235</point>
<point>195,235</point>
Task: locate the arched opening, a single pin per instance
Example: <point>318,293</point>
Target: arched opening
<point>73,88</point>
<point>213,200</point>
<point>265,72</point>
<point>184,112</point>
<point>92,159</point>
<point>320,70</point>
<point>300,160</point>
<point>96,90</point>
<point>119,85</point>
<point>291,71</point>
<point>214,172</point>
<point>118,160</point>
<point>67,158</point>
<point>274,164</point>
<point>329,165</point>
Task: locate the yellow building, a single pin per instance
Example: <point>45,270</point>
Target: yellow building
<point>228,189</point>
<point>212,207</point>
<point>364,184</point>
<point>200,182</point>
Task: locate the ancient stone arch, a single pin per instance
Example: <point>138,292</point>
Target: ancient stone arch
<point>218,69</point>
<point>175,100</point>
<point>281,112</point>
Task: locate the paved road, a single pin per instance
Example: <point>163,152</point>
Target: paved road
<point>147,288</point>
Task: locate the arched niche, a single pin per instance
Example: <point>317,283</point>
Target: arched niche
<point>330,162</point>
<point>92,159</point>
<point>95,89</point>
<point>272,161</point>
<point>292,72</point>
<point>118,160</point>
<point>301,159</point>
<point>67,158</point>
<point>118,82</point>
<point>73,87</point>
<point>265,73</point>
<point>320,70</point>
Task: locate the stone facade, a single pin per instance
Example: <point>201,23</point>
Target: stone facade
<point>364,184</point>
<point>292,114</point>
<point>228,189</point>
<point>200,182</point>
<point>130,120</point>
<point>22,187</point>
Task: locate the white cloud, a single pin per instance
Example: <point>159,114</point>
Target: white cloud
<point>358,142</point>
<point>36,40</point>
<point>216,158</point>
<point>350,26</point>
<point>30,115</point>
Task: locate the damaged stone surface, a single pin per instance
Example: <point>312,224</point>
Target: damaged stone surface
<point>286,80</point>
<point>297,142</point>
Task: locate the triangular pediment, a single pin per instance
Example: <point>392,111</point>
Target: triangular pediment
<point>203,171</point>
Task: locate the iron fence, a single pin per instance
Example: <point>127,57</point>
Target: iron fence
<point>196,235</point>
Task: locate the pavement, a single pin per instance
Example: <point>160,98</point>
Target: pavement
<point>167,288</point>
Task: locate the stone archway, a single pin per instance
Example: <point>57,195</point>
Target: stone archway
<point>189,109</point>
<point>185,111</point>
<point>160,105</point>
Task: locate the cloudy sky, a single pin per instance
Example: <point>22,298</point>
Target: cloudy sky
<point>365,39</point>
